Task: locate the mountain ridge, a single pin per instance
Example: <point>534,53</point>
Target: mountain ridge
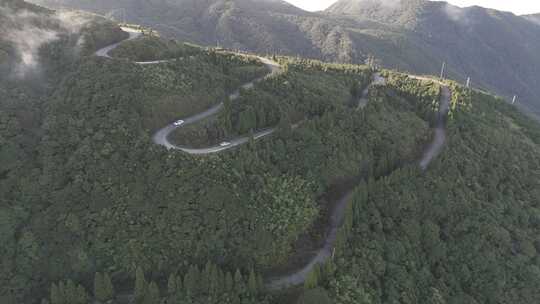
<point>496,49</point>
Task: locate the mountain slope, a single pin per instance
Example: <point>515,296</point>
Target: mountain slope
<point>249,24</point>
<point>451,235</point>
<point>496,49</point>
<point>396,12</point>
<point>88,201</point>
<point>96,195</point>
<point>257,25</point>
<point>109,201</point>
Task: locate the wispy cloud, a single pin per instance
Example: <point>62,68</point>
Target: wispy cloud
<point>27,32</point>
<point>456,14</point>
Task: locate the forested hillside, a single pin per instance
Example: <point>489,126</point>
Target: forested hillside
<point>465,231</point>
<point>92,210</point>
<point>498,50</point>
<point>109,201</point>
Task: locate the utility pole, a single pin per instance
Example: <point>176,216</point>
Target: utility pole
<point>370,61</point>
<point>514,99</point>
<point>468,82</point>
<point>442,69</point>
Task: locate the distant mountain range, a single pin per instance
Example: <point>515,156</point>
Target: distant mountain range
<point>498,50</point>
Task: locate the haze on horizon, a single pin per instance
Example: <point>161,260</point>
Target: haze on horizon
<point>518,7</point>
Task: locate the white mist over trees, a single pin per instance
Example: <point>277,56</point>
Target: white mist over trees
<point>28,31</point>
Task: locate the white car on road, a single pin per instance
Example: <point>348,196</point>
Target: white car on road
<point>225,143</point>
<point>178,123</point>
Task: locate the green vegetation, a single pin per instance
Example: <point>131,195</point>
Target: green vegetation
<point>465,231</point>
<point>151,47</point>
<point>99,33</point>
<point>299,94</point>
<point>91,209</point>
<point>110,201</point>
<point>190,85</point>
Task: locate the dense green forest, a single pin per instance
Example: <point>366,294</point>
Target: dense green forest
<point>465,231</point>
<point>91,209</point>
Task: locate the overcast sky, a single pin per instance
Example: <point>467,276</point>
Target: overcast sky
<point>517,6</point>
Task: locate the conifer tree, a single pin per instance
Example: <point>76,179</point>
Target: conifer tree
<point>312,280</point>
<point>239,285</point>
<point>220,281</point>
<point>99,288</point>
<point>171,284</point>
<point>81,295</point>
<point>62,292</point>
<point>70,292</point>
<point>152,294</point>
<point>108,286</point>
<point>191,280</point>
<point>140,285</point>
<point>204,283</point>
<point>179,285</point>
<point>213,280</point>
<point>235,299</point>
<point>229,283</point>
<point>328,270</point>
<point>188,282</point>
<point>252,282</point>
<point>260,282</point>
<point>56,297</point>
<point>436,297</point>
<point>315,296</point>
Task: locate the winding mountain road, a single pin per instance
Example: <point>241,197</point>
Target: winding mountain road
<point>104,52</point>
<point>161,137</point>
<point>323,254</point>
<point>338,214</point>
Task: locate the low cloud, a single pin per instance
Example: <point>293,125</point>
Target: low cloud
<point>391,4</point>
<point>27,42</point>
<point>534,19</point>
<point>457,14</point>
<point>27,32</point>
<point>72,21</point>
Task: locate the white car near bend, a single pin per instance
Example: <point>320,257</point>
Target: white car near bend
<point>178,123</point>
<point>225,143</point>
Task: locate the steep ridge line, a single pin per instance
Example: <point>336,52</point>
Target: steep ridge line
<point>161,137</point>
<point>338,214</point>
<point>377,79</point>
<point>435,148</point>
